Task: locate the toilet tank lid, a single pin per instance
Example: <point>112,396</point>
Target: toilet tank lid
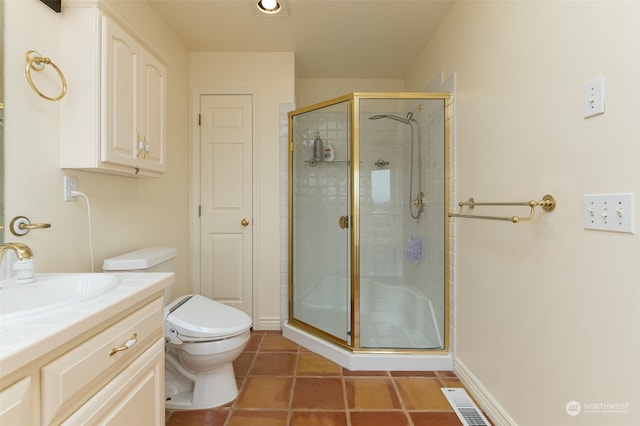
<point>139,259</point>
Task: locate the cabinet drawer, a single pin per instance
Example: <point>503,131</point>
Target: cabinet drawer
<point>134,397</point>
<point>73,378</point>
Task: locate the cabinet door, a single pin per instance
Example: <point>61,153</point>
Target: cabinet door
<point>134,397</point>
<point>152,112</point>
<point>15,404</point>
<point>121,92</point>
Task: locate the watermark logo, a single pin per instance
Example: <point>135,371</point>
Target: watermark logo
<point>573,408</point>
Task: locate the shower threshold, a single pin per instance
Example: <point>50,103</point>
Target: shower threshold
<point>368,361</point>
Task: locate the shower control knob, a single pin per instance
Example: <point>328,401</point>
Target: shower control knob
<point>244,222</point>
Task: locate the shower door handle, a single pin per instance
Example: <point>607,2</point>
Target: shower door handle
<point>343,222</point>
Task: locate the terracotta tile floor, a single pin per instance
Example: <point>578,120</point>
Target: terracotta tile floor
<point>283,384</point>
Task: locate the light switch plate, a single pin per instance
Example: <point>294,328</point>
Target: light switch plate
<point>594,97</point>
<point>609,212</point>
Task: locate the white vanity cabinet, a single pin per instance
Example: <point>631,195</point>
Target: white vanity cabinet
<point>16,404</point>
<point>93,365</point>
<point>134,397</point>
<point>113,116</point>
<point>118,370</point>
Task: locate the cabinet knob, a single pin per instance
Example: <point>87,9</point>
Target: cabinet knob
<point>244,222</point>
<point>147,148</point>
<point>140,145</point>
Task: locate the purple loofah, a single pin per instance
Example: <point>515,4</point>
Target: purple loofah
<point>414,250</point>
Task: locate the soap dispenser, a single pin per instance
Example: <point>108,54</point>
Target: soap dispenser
<point>317,148</point>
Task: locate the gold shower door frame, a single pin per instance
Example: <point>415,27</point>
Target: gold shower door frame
<point>353,100</point>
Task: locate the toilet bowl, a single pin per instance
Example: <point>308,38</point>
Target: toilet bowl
<point>203,338</point>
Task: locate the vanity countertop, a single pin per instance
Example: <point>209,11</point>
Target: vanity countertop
<point>25,340</point>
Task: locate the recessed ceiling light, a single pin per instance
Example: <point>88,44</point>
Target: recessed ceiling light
<point>268,6</point>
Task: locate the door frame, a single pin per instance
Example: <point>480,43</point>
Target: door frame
<point>196,278</point>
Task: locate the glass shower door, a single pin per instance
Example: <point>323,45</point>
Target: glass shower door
<point>319,229</point>
<point>401,209</point>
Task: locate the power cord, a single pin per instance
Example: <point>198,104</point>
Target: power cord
<point>76,193</point>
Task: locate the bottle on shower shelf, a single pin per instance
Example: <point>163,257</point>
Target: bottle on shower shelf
<point>317,148</point>
<point>329,153</point>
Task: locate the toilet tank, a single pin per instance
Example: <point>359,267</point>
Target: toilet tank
<point>148,259</point>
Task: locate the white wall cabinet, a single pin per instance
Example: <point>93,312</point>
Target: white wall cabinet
<point>113,116</point>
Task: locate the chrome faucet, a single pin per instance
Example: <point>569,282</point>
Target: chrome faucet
<point>24,266</point>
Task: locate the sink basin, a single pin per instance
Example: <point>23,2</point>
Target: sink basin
<point>50,291</point>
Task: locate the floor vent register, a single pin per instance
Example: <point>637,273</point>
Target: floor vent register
<point>464,407</point>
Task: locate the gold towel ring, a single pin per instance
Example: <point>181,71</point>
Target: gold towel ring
<point>36,62</point>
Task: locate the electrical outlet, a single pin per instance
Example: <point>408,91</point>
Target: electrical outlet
<point>70,184</point>
<point>609,212</point>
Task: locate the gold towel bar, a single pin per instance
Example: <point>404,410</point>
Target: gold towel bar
<point>548,204</point>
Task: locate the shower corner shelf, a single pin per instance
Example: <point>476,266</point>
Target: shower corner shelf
<point>314,163</point>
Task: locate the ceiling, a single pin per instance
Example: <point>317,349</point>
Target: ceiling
<point>377,39</point>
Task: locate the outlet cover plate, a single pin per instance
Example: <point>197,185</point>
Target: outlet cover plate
<point>609,212</point>
<point>70,184</point>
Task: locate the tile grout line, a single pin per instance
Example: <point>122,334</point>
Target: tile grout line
<point>345,396</point>
<point>293,387</point>
<point>232,407</point>
<point>400,399</point>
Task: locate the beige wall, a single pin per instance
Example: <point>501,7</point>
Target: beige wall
<point>127,213</point>
<point>547,312</point>
<point>244,73</point>
<point>310,91</point>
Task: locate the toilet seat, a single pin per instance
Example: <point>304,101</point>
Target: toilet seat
<point>202,319</point>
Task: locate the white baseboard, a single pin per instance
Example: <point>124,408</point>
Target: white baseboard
<point>491,407</point>
<point>267,324</point>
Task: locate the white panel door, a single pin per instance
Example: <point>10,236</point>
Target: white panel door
<point>226,138</point>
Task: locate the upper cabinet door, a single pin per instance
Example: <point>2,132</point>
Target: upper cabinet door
<point>152,114</point>
<point>120,134</point>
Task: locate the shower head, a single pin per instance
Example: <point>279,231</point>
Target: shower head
<point>407,120</point>
<point>393,117</point>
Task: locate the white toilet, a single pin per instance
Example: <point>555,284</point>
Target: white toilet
<point>203,337</point>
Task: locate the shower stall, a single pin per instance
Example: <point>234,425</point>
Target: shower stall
<point>368,235</point>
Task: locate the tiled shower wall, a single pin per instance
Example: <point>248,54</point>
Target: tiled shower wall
<point>321,247</point>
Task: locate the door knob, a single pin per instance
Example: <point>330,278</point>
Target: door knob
<point>244,222</point>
